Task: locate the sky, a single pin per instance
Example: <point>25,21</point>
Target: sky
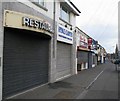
<point>99,19</point>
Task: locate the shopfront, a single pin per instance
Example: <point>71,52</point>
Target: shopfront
<point>82,57</point>
<point>25,53</point>
<point>82,52</point>
<point>94,52</point>
<point>64,52</point>
<point>94,59</point>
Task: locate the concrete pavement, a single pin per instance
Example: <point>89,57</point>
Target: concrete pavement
<point>119,83</point>
<point>75,86</point>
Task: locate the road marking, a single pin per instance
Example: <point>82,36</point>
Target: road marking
<point>81,96</point>
<point>94,80</point>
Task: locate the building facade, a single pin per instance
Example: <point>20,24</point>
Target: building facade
<point>94,52</point>
<point>40,44</point>
<point>26,46</point>
<point>119,29</point>
<point>83,60</point>
<point>101,54</point>
<point>86,50</point>
<point>36,46</point>
<point>65,43</point>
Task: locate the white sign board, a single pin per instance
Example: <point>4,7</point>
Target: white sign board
<point>64,35</point>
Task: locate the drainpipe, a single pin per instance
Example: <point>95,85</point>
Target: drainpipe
<point>54,34</point>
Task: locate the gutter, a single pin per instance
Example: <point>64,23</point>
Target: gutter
<point>73,7</point>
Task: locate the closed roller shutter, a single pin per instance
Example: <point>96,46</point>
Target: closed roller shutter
<point>82,56</point>
<point>90,60</point>
<point>26,59</point>
<point>63,60</point>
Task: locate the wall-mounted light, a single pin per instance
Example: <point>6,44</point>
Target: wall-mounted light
<point>75,30</point>
<point>71,28</point>
<point>65,25</point>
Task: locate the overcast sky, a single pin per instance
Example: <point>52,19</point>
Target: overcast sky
<point>99,19</point>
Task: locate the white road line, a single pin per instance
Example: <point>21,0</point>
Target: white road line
<point>86,89</point>
<point>94,80</point>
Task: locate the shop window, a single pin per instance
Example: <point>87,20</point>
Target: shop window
<point>64,14</point>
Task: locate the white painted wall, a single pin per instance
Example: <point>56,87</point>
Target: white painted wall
<point>73,23</point>
<point>82,66</point>
<point>73,20</point>
<point>77,39</point>
<point>102,54</point>
<point>48,6</point>
<point>72,16</point>
<point>57,3</point>
<point>86,66</point>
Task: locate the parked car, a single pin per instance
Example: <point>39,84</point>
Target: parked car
<point>115,61</point>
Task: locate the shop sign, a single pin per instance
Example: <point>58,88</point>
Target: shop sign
<point>29,22</point>
<point>25,21</point>
<point>64,35</point>
<point>90,41</point>
<point>94,45</point>
<point>83,42</point>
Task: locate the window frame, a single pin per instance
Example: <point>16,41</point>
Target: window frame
<point>65,10</point>
<point>40,5</point>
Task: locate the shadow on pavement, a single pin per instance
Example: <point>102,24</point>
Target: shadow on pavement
<point>60,84</point>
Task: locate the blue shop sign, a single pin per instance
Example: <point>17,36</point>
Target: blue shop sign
<point>64,31</point>
<point>64,35</point>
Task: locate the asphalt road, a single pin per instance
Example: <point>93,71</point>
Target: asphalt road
<point>104,86</point>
